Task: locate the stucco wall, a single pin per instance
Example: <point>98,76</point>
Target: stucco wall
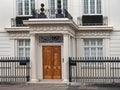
<point>5,45</point>
<point>115,44</point>
<point>6,13</point>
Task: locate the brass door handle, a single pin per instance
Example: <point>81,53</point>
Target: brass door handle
<point>47,67</point>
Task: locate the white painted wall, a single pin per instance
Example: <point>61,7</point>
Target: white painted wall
<point>115,44</point>
<point>5,49</point>
<point>6,13</point>
<point>114,13</point>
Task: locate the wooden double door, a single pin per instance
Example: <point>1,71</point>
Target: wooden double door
<point>51,62</point>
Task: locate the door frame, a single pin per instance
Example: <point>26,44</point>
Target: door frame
<point>40,58</point>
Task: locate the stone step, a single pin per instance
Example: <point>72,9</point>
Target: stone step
<point>49,82</point>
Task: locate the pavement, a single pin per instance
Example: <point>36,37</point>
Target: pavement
<point>55,87</point>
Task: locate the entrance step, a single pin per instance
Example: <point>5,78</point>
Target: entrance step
<point>49,82</point>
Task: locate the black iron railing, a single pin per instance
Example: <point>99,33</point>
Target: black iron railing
<point>52,14</point>
<point>94,70</point>
<point>14,70</point>
<point>18,21</point>
<point>98,21</point>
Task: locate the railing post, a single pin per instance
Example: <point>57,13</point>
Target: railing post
<point>28,70</point>
<point>70,70</point>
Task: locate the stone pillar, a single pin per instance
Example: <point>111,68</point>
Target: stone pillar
<point>33,59</point>
<point>66,55</point>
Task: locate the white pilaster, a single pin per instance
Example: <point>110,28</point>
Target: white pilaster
<point>66,55</point>
<point>106,47</point>
<point>80,48</point>
<point>74,47</point>
<point>33,58</point>
<point>70,45</point>
<point>13,44</point>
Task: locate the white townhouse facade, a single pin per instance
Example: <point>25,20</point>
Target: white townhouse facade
<point>84,28</point>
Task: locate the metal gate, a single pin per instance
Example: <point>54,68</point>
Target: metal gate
<point>14,70</point>
<point>94,70</point>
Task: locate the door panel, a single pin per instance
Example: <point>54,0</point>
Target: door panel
<point>47,52</point>
<point>57,62</point>
<point>51,62</point>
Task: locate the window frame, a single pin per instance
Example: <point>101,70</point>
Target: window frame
<point>95,9</point>
<point>90,47</point>
<point>24,47</point>
<point>55,7</point>
<point>23,7</point>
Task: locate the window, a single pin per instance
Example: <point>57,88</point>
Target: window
<point>92,7</point>
<point>53,5</point>
<point>24,7</point>
<point>93,48</point>
<point>65,4</point>
<point>23,48</point>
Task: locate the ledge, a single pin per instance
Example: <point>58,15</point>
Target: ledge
<point>96,28</point>
<point>53,21</point>
<point>17,29</point>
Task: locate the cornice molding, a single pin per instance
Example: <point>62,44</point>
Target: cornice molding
<point>93,34</point>
<point>17,29</point>
<point>95,28</point>
<point>19,35</point>
<point>53,21</point>
<point>18,32</point>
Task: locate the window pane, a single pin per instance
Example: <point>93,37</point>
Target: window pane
<point>86,6</point>
<point>86,42</point>
<point>21,42</point>
<point>98,6</point>
<point>32,5</point>
<point>86,52</point>
<point>52,7</point>
<point>92,6</point>
<point>65,4</point>
<point>93,48</point>
<point>27,42</point>
<point>99,42</point>
<point>20,7</point>
<point>93,42</point>
<point>26,7</point>
<point>24,48</point>
<point>27,52</point>
<point>21,52</point>
<point>100,52</point>
<point>93,52</point>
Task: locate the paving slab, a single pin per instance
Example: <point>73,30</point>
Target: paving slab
<point>54,87</point>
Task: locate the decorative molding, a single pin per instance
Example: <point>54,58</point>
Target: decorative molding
<point>17,29</point>
<point>49,28</point>
<point>18,32</point>
<point>93,34</point>
<point>19,35</point>
<point>52,29</point>
<point>95,28</point>
<point>48,25</point>
<point>60,26</point>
